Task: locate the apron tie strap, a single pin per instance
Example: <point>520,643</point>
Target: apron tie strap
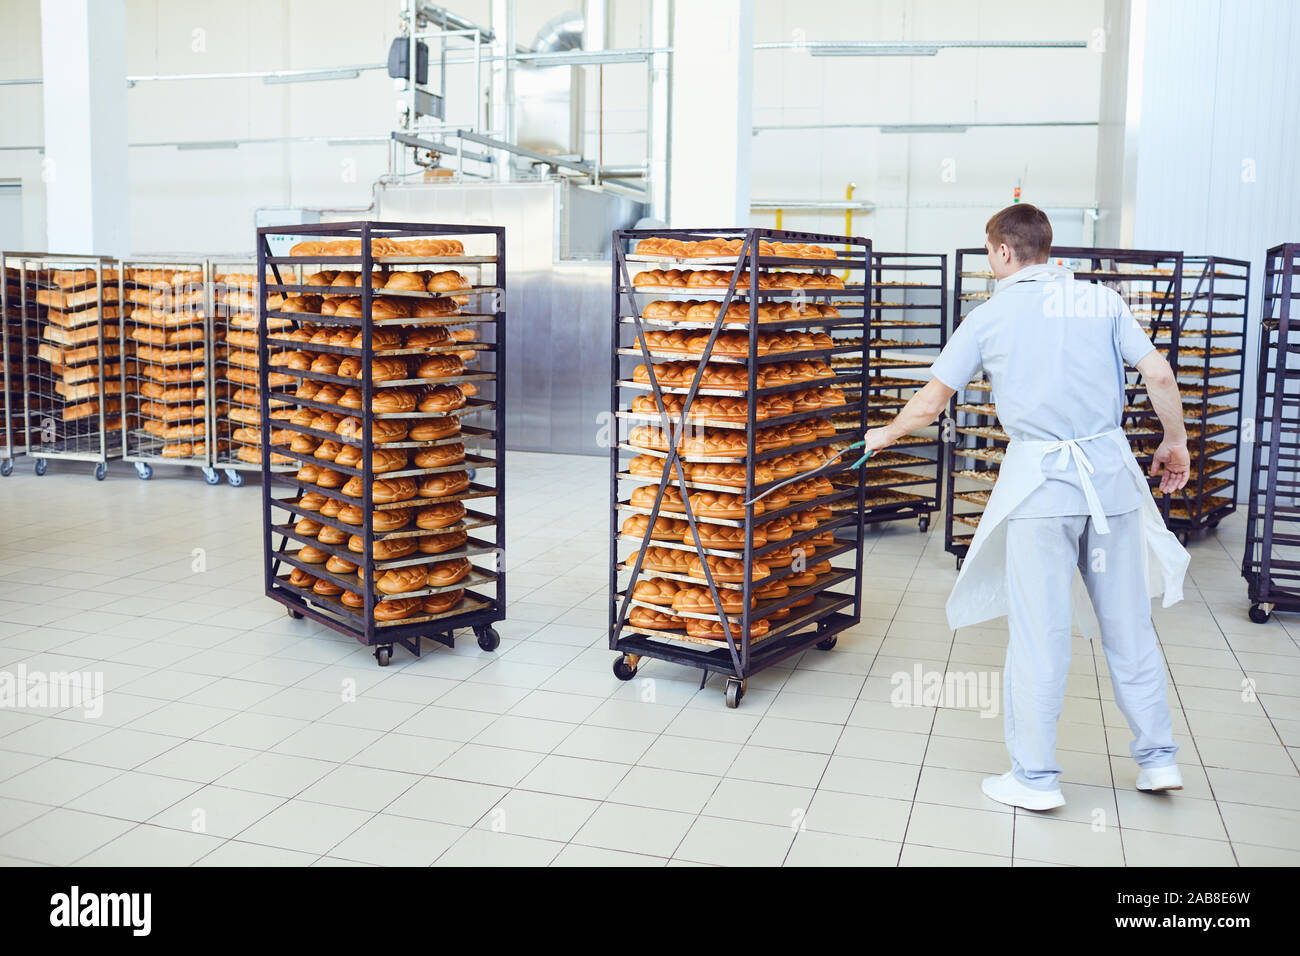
<point>1069,449</point>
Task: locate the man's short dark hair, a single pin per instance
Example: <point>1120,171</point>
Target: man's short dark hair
<point>1025,230</point>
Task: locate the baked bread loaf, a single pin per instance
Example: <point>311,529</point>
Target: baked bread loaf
<point>444,573</point>
<point>659,591</point>
<point>651,620</point>
<point>441,485</point>
<point>722,504</point>
<point>442,603</point>
<point>442,543</point>
<point>727,570</point>
<point>442,399</point>
<point>665,529</point>
<point>722,537</point>
<point>433,517</point>
<point>402,580</point>
<point>717,631</point>
<point>398,609</point>
<point>662,560</point>
<point>433,429</point>
<point>644,497</point>
<point>440,456</point>
<point>690,599</point>
<point>440,366</point>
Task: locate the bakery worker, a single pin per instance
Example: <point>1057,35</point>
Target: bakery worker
<point>1069,495</point>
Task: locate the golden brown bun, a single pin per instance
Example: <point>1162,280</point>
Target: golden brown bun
<point>728,570</point>
<point>432,429</point>
<point>312,555</point>
<point>442,603</point>
<point>330,535</point>
<point>439,486</point>
<point>443,573</point>
<point>433,517</point>
<point>439,456</point>
<point>443,399</point>
<point>442,543</point>
<point>665,529</point>
<point>397,610</point>
<point>433,336</point>
<point>662,560</point>
<point>401,580</point>
<point>716,630</point>
<point>660,591</point>
<point>644,497</point>
<point>722,536</point>
<point>301,579</point>
<point>404,282</point>
<point>721,504</point>
<point>698,600</point>
<point>651,620</point>
<point>440,366</point>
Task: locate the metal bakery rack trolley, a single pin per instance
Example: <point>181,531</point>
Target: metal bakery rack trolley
<point>71,315</point>
<point>166,380</point>
<point>1150,281</point>
<point>1211,370</point>
<point>391,529</point>
<point>908,326</point>
<point>1271,564</point>
<point>236,423</point>
<point>722,389</point>
<point>13,422</point>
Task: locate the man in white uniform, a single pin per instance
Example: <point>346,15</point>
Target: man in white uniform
<point>1069,496</point>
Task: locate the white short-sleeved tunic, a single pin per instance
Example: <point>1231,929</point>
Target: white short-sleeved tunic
<point>1054,349</point>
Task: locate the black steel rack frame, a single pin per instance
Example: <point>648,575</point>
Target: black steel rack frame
<point>236,435</point>
<point>298,341</point>
<point>1151,282</point>
<point>908,326</point>
<point>13,371</point>
<point>167,387</point>
<point>71,315</point>
<point>1271,563</point>
<point>690,391</point>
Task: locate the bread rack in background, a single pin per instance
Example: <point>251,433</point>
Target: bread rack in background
<point>71,317</point>
<point>168,393</point>
<point>391,529</point>
<point>1271,563</point>
<point>722,381</point>
<point>908,327</point>
<point>236,426</point>
<point>1165,292</point>
<point>13,365</point>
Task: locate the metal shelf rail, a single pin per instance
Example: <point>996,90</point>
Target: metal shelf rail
<point>166,378</point>
<point>71,315</point>
<point>723,351</point>
<point>1150,281</point>
<point>908,326</point>
<point>1271,563</point>
<point>381,534</point>
<point>13,371</point>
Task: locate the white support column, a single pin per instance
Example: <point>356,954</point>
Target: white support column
<point>83,56</point>
<point>712,128</point>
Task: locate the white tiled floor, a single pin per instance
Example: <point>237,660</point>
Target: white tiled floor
<point>227,739</point>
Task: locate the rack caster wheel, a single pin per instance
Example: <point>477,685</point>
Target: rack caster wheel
<point>41,466</point>
<point>735,692</point>
<point>1260,613</point>
<point>384,654</point>
<point>827,644</point>
<point>296,615</point>
<point>143,471</point>
<point>923,523</point>
<point>101,471</point>
<point>488,638</point>
<point>625,667</point>
<point>7,467</point>
<point>211,476</point>
<point>234,477</point>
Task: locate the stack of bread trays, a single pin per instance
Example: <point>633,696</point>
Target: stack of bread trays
<point>237,424</point>
<point>72,330</point>
<point>380,493</point>
<point>699,566</point>
<point>167,391</point>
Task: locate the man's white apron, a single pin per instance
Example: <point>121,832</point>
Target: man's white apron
<point>981,589</point>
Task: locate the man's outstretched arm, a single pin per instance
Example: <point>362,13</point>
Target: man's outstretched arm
<point>1162,387</point>
<point>921,410</point>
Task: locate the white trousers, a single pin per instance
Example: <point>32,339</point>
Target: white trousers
<point>1042,554</point>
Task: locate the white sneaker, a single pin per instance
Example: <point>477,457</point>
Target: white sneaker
<point>1160,778</point>
<point>1007,789</point>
